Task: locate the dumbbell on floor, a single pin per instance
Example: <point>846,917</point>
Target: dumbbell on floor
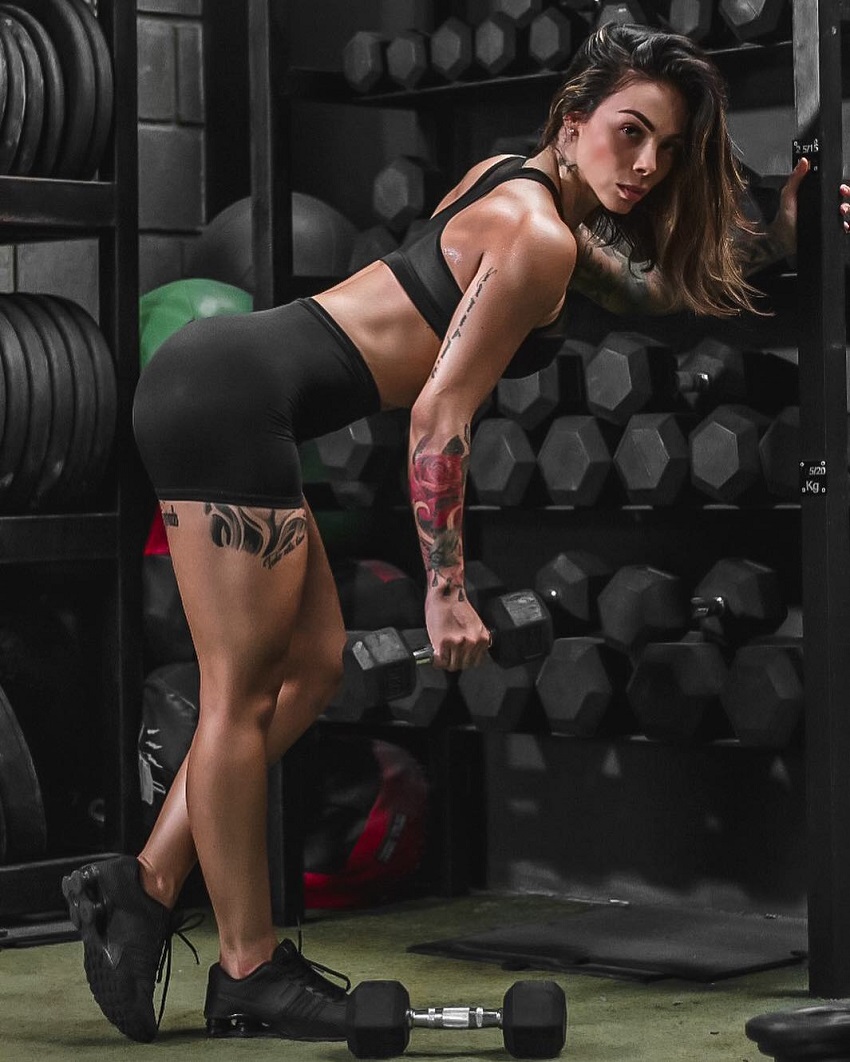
<point>811,1034</point>
<point>380,665</point>
<point>533,1019</point>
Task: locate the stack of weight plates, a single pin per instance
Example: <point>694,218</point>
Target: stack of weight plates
<point>58,404</point>
<point>56,89</point>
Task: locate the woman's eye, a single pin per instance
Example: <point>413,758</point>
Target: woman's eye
<point>631,130</point>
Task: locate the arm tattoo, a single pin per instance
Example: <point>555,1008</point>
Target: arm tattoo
<point>267,533</point>
<point>456,334</point>
<point>437,481</point>
<point>605,275</point>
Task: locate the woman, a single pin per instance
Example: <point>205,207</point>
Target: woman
<point>636,148</point>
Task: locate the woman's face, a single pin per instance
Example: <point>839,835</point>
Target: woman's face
<point>629,143</point>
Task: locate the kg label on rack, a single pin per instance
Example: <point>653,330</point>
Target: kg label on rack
<point>813,477</point>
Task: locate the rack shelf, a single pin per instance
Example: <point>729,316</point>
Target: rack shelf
<point>75,536</point>
<point>30,203</point>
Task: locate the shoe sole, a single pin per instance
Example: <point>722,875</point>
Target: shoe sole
<point>89,911</point>
<point>243,1026</point>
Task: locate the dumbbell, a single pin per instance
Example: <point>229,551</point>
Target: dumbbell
<point>407,59</point>
<point>575,459</point>
<point>501,46</point>
<point>623,12</point>
<point>380,665</point>
<point>764,695</point>
<point>364,61</point>
<point>550,39</point>
<point>811,1034</point>
<point>532,400</point>
<point>756,19</point>
<point>404,190</point>
<point>737,599</point>
<point>641,603</point>
<point>500,699</point>
<point>426,700</point>
<point>763,379</point>
<point>675,691</point>
<point>631,373</point>
<point>570,584</point>
<point>581,686</point>
<point>364,448</point>
<point>520,12</point>
<point>651,458</point>
<point>533,1019</point>
<point>697,19</point>
<point>452,49</point>
<point>501,462</point>
<point>724,453</point>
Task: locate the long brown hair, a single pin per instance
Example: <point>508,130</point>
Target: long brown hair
<point>684,224</point>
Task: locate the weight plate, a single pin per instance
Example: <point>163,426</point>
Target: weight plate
<point>76,476</point>
<point>107,389</point>
<point>17,408</point>
<point>63,391</point>
<point>54,90</point>
<point>104,89</point>
<point>21,496</point>
<point>25,493</point>
<point>33,119</point>
<point>75,56</point>
<point>13,117</point>
<point>20,793</point>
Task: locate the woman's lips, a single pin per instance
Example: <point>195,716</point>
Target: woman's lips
<point>631,192</point>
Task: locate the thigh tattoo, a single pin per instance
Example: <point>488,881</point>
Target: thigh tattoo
<point>267,533</point>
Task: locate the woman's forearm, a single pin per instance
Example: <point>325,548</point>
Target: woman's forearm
<point>606,276</point>
<point>437,475</point>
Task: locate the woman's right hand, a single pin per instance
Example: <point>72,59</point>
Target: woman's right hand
<point>456,632</point>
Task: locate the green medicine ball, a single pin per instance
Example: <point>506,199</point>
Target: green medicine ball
<point>165,310</point>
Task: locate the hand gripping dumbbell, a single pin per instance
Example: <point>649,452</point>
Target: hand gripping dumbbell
<point>380,666</point>
<point>533,1019</point>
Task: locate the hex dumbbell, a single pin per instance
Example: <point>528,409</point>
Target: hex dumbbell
<point>533,1019</point>
<point>381,666</point>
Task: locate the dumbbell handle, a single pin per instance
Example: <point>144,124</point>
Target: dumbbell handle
<point>693,382</point>
<point>707,606</point>
<point>425,655</point>
<point>455,1018</point>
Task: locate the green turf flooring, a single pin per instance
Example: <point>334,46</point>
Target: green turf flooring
<point>47,1013</point>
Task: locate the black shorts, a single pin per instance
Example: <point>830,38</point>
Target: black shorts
<point>222,406</point>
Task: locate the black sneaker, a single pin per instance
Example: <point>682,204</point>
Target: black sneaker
<point>126,940</point>
<point>284,997</point>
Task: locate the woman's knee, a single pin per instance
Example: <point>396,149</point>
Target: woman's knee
<point>231,705</point>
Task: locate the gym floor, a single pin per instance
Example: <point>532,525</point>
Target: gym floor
<point>48,1012</point>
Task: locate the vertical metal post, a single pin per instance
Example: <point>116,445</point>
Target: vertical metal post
<point>824,493</point>
<point>118,248</point>
<point>271,185</point>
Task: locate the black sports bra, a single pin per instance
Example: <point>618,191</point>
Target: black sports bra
<point>420,267</point>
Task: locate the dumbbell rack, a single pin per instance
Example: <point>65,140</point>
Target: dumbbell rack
<point>48,209</point>
<point>814,56</point>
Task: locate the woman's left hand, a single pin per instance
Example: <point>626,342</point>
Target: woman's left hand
<point>784,225</point>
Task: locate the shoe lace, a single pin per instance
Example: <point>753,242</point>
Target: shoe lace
<point>314,970</point>
<point>180,925</point>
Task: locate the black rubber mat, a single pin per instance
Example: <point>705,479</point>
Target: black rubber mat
<point>645,943</point>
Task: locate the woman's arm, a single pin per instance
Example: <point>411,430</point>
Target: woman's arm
<point>604,274</point>
<point>514,289</point>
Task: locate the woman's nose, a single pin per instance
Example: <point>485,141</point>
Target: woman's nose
<point>646,161</point>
